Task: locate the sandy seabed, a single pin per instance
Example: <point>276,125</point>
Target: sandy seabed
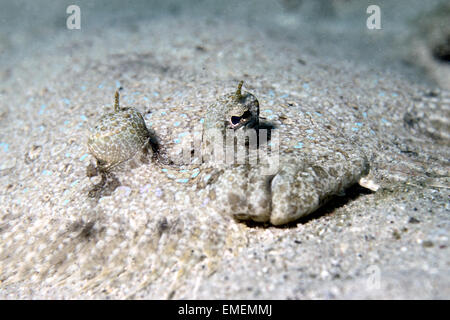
<point>156,237</point>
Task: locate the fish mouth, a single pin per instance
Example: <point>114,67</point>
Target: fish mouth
<point>236,125</point>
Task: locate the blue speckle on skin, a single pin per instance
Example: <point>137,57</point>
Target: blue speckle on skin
<point>65,202</point>
<point>305,86</point>
<point>42,128</point>
<point>176,140</point>
<point>183,180</point>
<point>83,157</point>
<point>359,124</point>
<point>299,145</point>
<point>5,146</point>
<point>384,120</point>
<point>163,113</point>
<point>73,184</point>
<point>25,190</point>
<point>195,174</point>
<point>156,94</point>
<point>183,134</point>
<point>117,84</point>
<point>310,131</point>
<point>171,176</point>
<point>67,155</point>
<point>284,96</point>
<point>311,138</point>
<point>176,123</point>
<point>202,120</point>
<point>100,86</point>
<point>271,93</point>
<point>318,113</point>
<point>355,129</point>
<point>164,170</point>
<point>184,115</point>
<point>42,110</point>
<point>381,94</point>
<point>83,117</point>
<point>145,98</point>
<point>66,122</point>
<point>47,173</point>
<point>394,94</point>
<point>183,170</point>
<point>137,93</point>
<point>268,111</point>
<point>83,88</point>
<point>66,101</point>
<point>364,114</point>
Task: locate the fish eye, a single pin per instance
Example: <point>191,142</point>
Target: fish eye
<point>235,120</point>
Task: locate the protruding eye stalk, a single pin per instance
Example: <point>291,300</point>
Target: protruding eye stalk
<point>238,94</point>
<point>116,101</point>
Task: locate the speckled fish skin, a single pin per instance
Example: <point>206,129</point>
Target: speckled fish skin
<point>219,114</point>
<point>299,188</point>
<point>117,137</point>
<point>430,115</point>
<point>303,182</point>
<point>301,185</point>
